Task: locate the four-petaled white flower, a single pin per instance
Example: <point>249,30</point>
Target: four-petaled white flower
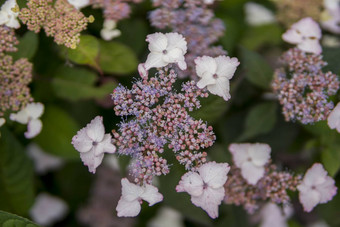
<point>215,74</point>
<point>206,186</point>
<point>257,14</point>
<point>78,4</point>
<point>333,119</point>
<point>306,34</point>
<point>273,215</point>
<point>48,209</point>
<point>251,158</point>
<point>165,49</point>
<point>316,187</point>
<point>92,142</point>
<point>30,115</point>
<point>109,30</point>
<point>330,18</point>
<point>9,13</point>
<point>129,204</point>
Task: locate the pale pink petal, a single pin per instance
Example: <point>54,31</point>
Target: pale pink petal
<point>333,119</point>
<point>34,127</point>
<point>173,55</point>
<point>251,173</point>
<point>310,46</point>
<point>308,28</point>
<point>226,66</point>
<point>81,141</point>
<point>13,23</point>
<point>78,4</point>
<point>240,153</point>
<point>272,215</point>
<point>21,117</point>
<point>142,70</point>
<point>292,36</point>
<point>105,146</point>
<point>206,79</point>
<point>205,64</point>
<point>221,88</point>
<point>151,195</point>
<point>130,191</point>
<point>2,121</point>
<point>182,65</point>
<point>34,110</point>
<point>128,208</point>
<point>309,199</point>
<point>157,42</point>
<point>315,175</point>
<point>214,174</point>
<point>327,190</point>
<point>95,129</point>
<point>209,200</point>
<point>155,60</point>
<point>91,161</point>
<point>191,183</point>
<point>259,153</point>
<point>176,40</point>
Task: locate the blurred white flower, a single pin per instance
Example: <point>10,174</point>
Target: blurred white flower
<point>251,159</point>
<point>257,14</point>
<point>30,115</point>
<point>272,215</point>
<point>206,186</point>
<point>316,187</point>
<point>330,41</point>
<point>215,74</point>
<point>330,18</point>
<point>78,4</point>
<point>208,2</point>
<point>43,162</point>
<point>333,119</point>
<point>167,217</point>
<point>112,161</point>
<point>48,209</point>
<point>129,204</point>
<point>109,30</point>
<point>165,49</point>
<point>9,13</point>
<point>306,34</point>
<point>92,142</point>
<point>2,121</point>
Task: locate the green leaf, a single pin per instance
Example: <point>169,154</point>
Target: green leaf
<point>233,33</point>
<point>116,58</point>
<point>331,159</point>
<point>260,120</point>
<point>27,47</point>
<point>86,52</point>
<point>12,220</point>
<point>258,71</point>
<point>56,135</point>
<point>331,56</point>
<point>16,175</point>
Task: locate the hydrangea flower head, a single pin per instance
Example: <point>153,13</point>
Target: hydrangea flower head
<point>9,13</point>
<point>333,119</point>
<point>306,34</point>
<point>129,204</point>
<point>30,115</point>
<point>206,186</point>
<point>251,159</point>
<point>316,187</point>
<point>215,74</point>
<point>78,4</point>
<point>92,142</point>
<point>165,49</point>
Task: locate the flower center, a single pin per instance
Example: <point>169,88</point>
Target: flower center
<point>94,143</point>
<point>215,76</point>
<point>205,185</point>
<point>165,51</point>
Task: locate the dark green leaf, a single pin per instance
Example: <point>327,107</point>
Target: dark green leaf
<point>16,175</point>
<point>27,47</point>
<point>331,159</point>
<point>12,220</point>
<point>332,56</point>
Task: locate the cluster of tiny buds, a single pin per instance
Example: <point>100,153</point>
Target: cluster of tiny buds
<point>7,39</point>
<point>188,158</point>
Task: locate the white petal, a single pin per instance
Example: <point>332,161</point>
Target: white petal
<point>34,127</point>
<point>4,17</point>
<point>257,14</point>
<point>155,60</point>
<point>315,175</point>
<point>182,64</point>
<point>309,199</point>
<point>157,42</point>
<point>81,141</point>
<point>13,23</point>
<point>142,71</point>
<point>95,129</point>
<point>91,160</point>
<point>105,146</point>
<point>191,183</point>
<point>108,34</point>
<point>8,6</point>
<point>173,55</point>
<point>308,28</point>
<point>176,40</point>
<point>2,121</point>
<point>128,208</point>
<point>327,190</point>
<point>166,217</point>
<point>310,46</point>
<point>226,66</point>
<point>210,200</point>
<point>214,174</point>
<point>221,88</point>
<point>240,153</point>
<point>205,64</point>
<point>109,24</point>
<point>292,36</point>
<point>35,110</point>
<point>78,4</point>
<point>130,191</point>
<point>151,195</point>
<point>21,117</point>
<point>271,215</point>
<point>251,173</point>
<point>206,79</point>
<point>259,153</point>
<point>333,119</point>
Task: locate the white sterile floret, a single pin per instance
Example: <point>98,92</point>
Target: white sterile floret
<point>2,121</point>
<point>109,30</point>
<point>215,74</point>
<point>167,217</point>
<point>316,187</point>
<point>48,209</point>
<point>330,18</point>
<point>30,115</point>
<point>9,13</point>
<point>273,215</point>
<point>306,34</point>
<point>251,159</point>
<point>43,162</point>
<point>257,14</point>
<point>78,4</point>
<point>333,119</point>
<point>92,142</point>
<point>206,186</point>
<point>165,49</point>
<point>129,204</point>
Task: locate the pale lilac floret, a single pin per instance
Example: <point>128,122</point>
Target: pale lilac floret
<point>165,49</point>
<point>316,187</point>
<point>9,13</point>
<point>92,142</point>
<point>215,74</point>
<point>129,204</point>
<point>251,159</point>
<point>206,186</point>
<point>333,119</point>
<point>306,34</point>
